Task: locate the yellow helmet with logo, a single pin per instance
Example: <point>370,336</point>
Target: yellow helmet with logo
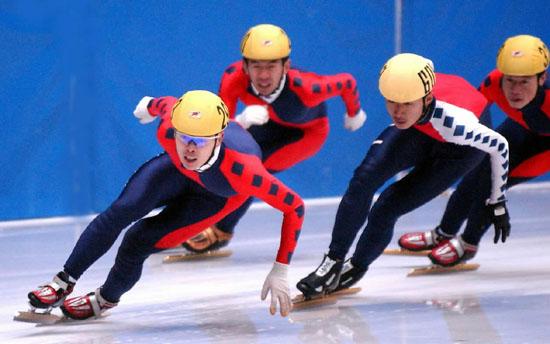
<point>406,78</point>
<point>265,42</point>
<point>200,113</point>
<point>523,55</point>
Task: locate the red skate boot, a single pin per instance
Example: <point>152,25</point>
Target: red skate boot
<point>86,306</point>
<point>421,241</point>
<point>53,293</point>
<point>452,252</point>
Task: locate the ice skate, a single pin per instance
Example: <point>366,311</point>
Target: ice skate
<point>301,302</point>
<point>420,241</point>
<point>210,239</point>
<point>86,306</point>
<point>205,245</point>
<point>448,257</point>
<point>52,294</point>
<point>349,276</point>
<point>38,316</point>
<point>453,252</point>
<point>323,280</point>
<point>438,269</point>
<point>192,256</point>
<point>405,252</point>
<point>43,300</point>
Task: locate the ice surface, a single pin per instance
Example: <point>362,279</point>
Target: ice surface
<point>218,301</point>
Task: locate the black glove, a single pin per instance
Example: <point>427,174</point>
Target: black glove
<point>497,214</point>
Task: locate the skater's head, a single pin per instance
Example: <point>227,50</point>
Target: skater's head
<point>523,60</point>
<point>266,49</point>
<point>406,82</point>
<point>199,119</point>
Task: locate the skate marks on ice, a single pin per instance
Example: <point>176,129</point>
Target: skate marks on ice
<point>301,302</point>
<point>191,256</point>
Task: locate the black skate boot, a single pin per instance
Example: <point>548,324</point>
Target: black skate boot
<point>323,280</point>
<point>350,275</point>
<point>53,293</point>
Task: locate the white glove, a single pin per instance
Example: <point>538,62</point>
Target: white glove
<point>355,122</point>
<point>253,115</point>
<point>276,281</point>
<point>141,111</point>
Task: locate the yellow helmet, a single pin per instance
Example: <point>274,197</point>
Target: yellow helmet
<point>200,113</point>
<point>522,55</point>
<point>265,42</point>
<point>406,78</point>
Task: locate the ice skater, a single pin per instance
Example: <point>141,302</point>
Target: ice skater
<point>520,88</point>
<point>285,111</point>
<point>210,167</point>
<point>437,131</point>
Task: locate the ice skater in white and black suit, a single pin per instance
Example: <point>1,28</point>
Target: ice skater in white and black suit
<point>438,130</point>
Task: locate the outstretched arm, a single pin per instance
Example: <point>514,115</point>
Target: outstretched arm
<point>148,108</point>
<point>256,181</point>
<point>314,88</point>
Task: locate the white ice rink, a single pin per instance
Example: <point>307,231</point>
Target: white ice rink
<point>218,301</point>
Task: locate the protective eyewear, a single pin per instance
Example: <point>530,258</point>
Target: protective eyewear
<point>198,141</point>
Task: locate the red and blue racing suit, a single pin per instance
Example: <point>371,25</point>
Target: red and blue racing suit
<point>298,125</point>
<point>192,201</point>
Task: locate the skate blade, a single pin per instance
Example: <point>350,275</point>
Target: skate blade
<point>437,269</point>
<point>403,252</point>
<point>38,317</point>
<point>300,301</point>
<point>196,256</point>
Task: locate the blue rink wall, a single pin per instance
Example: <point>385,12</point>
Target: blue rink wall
<point>71,73</point>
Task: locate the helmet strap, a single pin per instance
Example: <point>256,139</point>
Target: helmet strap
<point>212,159</point>
<point>427,110</point>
